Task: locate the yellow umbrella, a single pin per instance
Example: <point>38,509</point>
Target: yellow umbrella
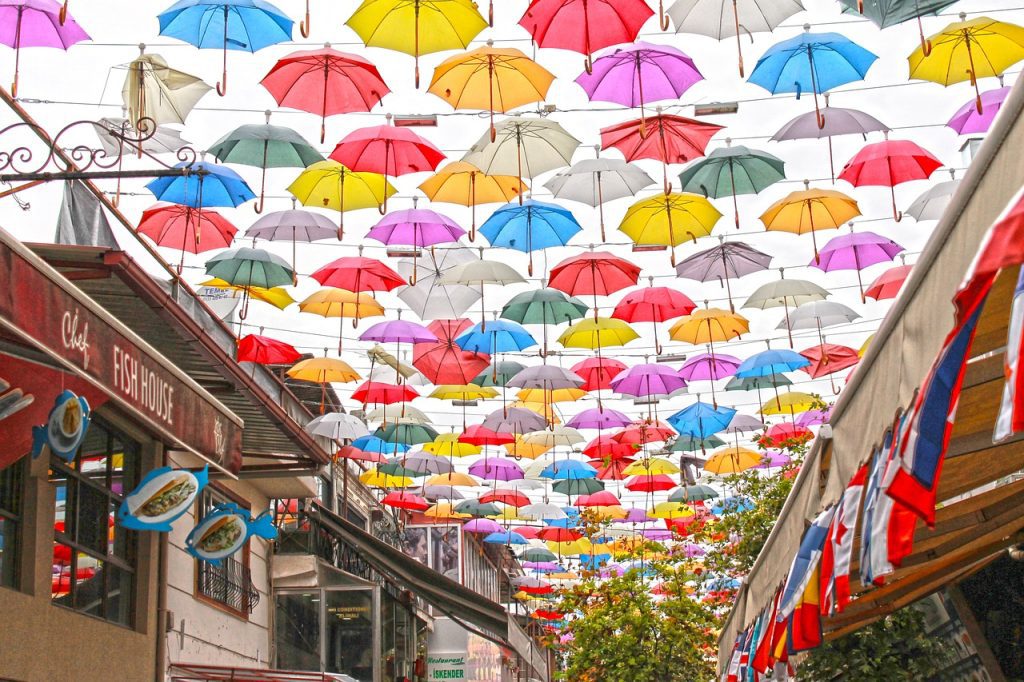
<point>464,184</point>
<point>492,79</point>
<point>669,220</point>
<point>452,479</point>
<point>277,296</point>
<point>732,460</point>
<point>556,395</point>
<point>652,467</point>
<point>463,392</point>
<point>449,445</point>
<point>521,449</point>
<point>670,510</point>
<point>864,346</point>
<point>570,547</point>
<point>810,210</point>
<point>597,333</point>
<point>791,403</point>
<point>376,479</point>
<point>968,50</point>
<point>707,325</point>
<point>341,303</point>
<point>507,514</point>
<point>444,510</point>
<point>328,184</point>
<point>605,513</point>
<point>323,371</point>
<point>417,27</point>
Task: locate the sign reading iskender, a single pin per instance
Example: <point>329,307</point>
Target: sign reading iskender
<point>55,315</point>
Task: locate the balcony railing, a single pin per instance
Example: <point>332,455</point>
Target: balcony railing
<point>229,584</point>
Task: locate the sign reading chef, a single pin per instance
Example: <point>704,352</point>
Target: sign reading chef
<point>446,666</point>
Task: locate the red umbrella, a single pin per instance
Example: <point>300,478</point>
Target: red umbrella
<point>594,272</point>
<point>778,434</point>
<point>443,361</point>
<point>597,373</point>
<point>827,359</point>
<point>379,393</point>
<point>510,497</point>
<point>674,139</point>
<point>266,351</point>
<point>325,82</point>
<point>638,434</point>
<point>353,453</point>
<point>537,589</point>
<point>544,614</point>
<point>528,532</point>
<point>601,498</point>
<point>387,150</point>
<point>650,484</point>
<point>887,164</point>
<point>585,26</point>
<point>403,499</point>
<point>889,283</point>
<point>609,469</point>
<point>481,435</point>
<point>189,229</point>
<point>653,304</point>
<point>558,534</point>
<point>356,273</point>
<point>606,447</point>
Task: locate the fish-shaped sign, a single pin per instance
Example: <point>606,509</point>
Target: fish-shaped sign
<point>224,530</point>
<point>160,498</point>
<point>65,428</point>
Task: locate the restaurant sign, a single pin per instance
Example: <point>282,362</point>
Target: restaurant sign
<point>52,313</point>
<point>446,666</point>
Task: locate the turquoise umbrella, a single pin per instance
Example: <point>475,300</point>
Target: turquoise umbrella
<point>730,171</point>
<point>245,267</point>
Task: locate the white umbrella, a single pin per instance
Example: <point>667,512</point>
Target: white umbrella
<point>817,315</point>
<point>785,293</point>
<point>430,299</point>
<point>595,181</point>
<point>164,140</point>
<point>155,91</point>
<point>481,272</point>
<point>398,413</point>
<point>523,147</point>
<point>556,436</point>
<point>337,426</point>
<point>933,201</point>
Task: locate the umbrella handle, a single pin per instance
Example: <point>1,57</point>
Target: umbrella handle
<point>63,14</point>
<point>304,25</point>
<point>588,64</point>
<point>663,19</point>
<point>896,215</point>
<point>222,86</point>
<point>490,14</point>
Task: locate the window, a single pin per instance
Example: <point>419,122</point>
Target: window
<point>12,485</point>
<point>95,559</point>
<point>229,584</point>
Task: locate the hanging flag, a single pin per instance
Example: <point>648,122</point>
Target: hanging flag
<point>1011,408</point>
<point>838,551</point>
<point>878,507</point>
<point>805,624</point>
<point>762,661</point>
<point>805,563</point>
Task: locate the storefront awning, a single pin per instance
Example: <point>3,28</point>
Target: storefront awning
<point>198,672</point>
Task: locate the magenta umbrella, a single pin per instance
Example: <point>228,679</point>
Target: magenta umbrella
<point>856,251</point>
<point>36,23</point>
<point>710,366</point>
<point>497,469</point>
<point>967,120</point>
<point>813,417</point>
<point>416,227</point>
<point>639,73</point>
<point>398,331</point>
<point>482,526</point>
<point>598,418</point>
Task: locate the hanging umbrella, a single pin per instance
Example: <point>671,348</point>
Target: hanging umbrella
<point>523,147</point>
<point>499,336</point>
<point>701,420</point>
<point>545,377</point>
<point>490,78</point>
<point>248,25</point>
<point>36,23</point>
<point>329,184</point>
<point>888,284</point>
<point>119,137</point>
<point>323,371</point>
<point>405,500</point>
<point>708,325</point>
<point>791,403</point>
<point>818,315</point>
<point>732,460</point>
<point>648,380</point>
<point>430,299</point>
<point>325,82</point>
<point>480,435</point>
<point>584,27</point>
<point>669,220</point>
<point>337,426</point>
<point>724,262</point>
<point>595,181</point>
<point>598,273</point>
<point>530,226</point>
<point>443,361</point>
<point>650,484</point>
<point>275,296</point>
<point>856,251</point>
<point>265,146</point>
<point>653,304</point>
<point>379,393</point>
<point>729,171</point>
<point>494,469</point>
<point>721,19</point>
<point>417,27</point>
<point>558,436</point>
<point>598,372</point>
<point>449,445</point>
<point>464,184</point>
<point>607,448</point>
<point>968,50</point>
<point>709,367</point>
<point>687,443</point>
<point>398,331</point>
<point>812,62</point>
<point>885,13</point>
<point>189,229</point>
<point>294,225</point>
<point>597,333</point>
<point>771,362</point>
<point>664,137</point>
<point>888,164</point>
<point>498,373</point>
<point>810,210</point>
<point>967,120</point>
<point>482,272</point>
<point>837,122</point>
<point>264,350</point>
<point>786,294</point>
<point>931,204</point>
<point>406,414</point>
<point>829,358</point>
<point>200,185</point>
<point>416,227</point>
<point>636,74</point>
<point>543,306</point>
<point>153,90</point>
<point>357,273</point>
<point>245,267</point>
<point>577,486</point>
<point>341,303</point>
<point>594,418</point>
<point>758,383</point>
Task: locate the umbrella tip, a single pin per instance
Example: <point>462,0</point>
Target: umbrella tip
<point>266,115</point>
<point>807,28</point>
<point>327,45</point>
<point>807,184</point>
<point>963,16</point>
<point>490,42</point>
<point>142,49</point>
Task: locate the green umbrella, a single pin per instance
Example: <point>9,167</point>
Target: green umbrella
<point>409,434</point>
<point>757,383</point>
<point>394,468</point>
<point>477,508</point>
<point>544,307</point>
<point>686,443</point>
<point>499,373</point>
<point>578,486</point>
<point>886,13</point>
<point>538,554</point>
<point>265,146</point>
<point>246,267</point>
<point>730,171</point>
<point>693,493</point>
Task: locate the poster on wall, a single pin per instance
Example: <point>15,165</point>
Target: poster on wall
<point>444,545</point>
<point>446,666</point>
<point>415,543</point>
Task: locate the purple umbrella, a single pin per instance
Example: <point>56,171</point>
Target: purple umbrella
<point>774,458</point>
<point>967,120</point>
<point>814,417</point>
<point>641,381</point>
<point>497,469</point>
<point>514,420</point>
<point>635,515</point>
<point>415,227</point>
<point>856,251</point>
<point>691,550</point>
<point>482,526</point>
<point>545,377</point>
<point>398,331</point>
<point>709,367</point>
<point>36,23</point>
<point>598,418</point>
<point>639,73</point>
<point>541,566</point>
<point>609,571</point>
<point>656,534</point>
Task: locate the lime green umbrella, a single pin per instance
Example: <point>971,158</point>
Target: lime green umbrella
<point>730,171</point>
<point>265,146</point>
<point>247,268</point>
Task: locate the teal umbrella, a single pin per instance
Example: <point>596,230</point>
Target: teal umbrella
<point>245,267</point>
<point>499,373</point>
<point>544,306</point>
<point>578,486</point>
<point>265,146</point>
<point>687,443</point>
<point>886,13</point>
<point>538,554</point>
<point>693,493</point>
<point>730,171</point>
<point>407,434</point>
<point>477,508</point>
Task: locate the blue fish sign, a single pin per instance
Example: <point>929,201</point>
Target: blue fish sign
<point>160,498</point>
<point>64,429</point>
<point>224,530</point>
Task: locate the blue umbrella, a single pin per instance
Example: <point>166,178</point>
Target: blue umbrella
<point>570,469</point>
<point>571,520</point>
<point>248,25</point>
<point>815,62</point>
<point>732,505</point>
<point>499,336</point>
<point>529,227</point>
<point>594,561</point>
<point>207,184</point>
<point>701,420</point>
<point>376,445</point>
<point>771,362</point>
<point>506,537</point>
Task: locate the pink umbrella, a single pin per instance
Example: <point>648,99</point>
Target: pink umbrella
<point>888,284</point>
<point>417,227</point>
<point>887,164</point>
<point>814,417</point>
<point>653,304</point>
<point>709,367</point>
<point>398,331</point>
<point>598,372</point>
<point>482,526</point>
<point>855,251</point>
<point>967,120</point>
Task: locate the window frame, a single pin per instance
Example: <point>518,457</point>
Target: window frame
<point>16,474</point>
<point>214,490</point>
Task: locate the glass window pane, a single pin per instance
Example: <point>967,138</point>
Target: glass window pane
<point>297,631</point>
<point>119,595</point>
<point>11,478</point>
<point>349,632</point>
<point>87,593</point>
<point>93,518</point>
<point>8,553</point>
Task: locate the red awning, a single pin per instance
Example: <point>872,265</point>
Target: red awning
<point>189,672</point>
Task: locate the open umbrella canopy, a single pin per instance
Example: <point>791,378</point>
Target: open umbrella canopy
<point>810,210</point>
<point>598,372</point>
<point>201,185</point>
<point>443,361</point>
<point>464,184</point>
<point>829,358</point>
<point>889,163</point>
<point>596,181</point>
<point>669,220</point>
<point>967,120</point>
<point>888,284</point>
<point>264,350</point>
<point>523,148</point>
<point>329,184</point>
<point>497,337</point>
<point>598,273</point>
<point>530,226</point>
<point>730,171</point>
<point>584,27</point>
<point>189,229</point>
